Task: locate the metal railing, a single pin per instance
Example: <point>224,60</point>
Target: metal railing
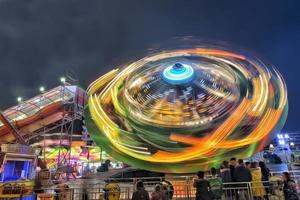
<point>179,188</point>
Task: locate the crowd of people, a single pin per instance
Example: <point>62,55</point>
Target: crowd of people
<point>232,181</point>
<point>240,175</point>
<point>142,194</point>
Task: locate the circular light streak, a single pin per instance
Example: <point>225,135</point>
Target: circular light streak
<point>183,110</point>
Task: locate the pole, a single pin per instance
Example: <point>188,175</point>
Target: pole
<point>62,126</point>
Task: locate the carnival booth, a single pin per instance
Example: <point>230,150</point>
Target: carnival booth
<point>17,167</point>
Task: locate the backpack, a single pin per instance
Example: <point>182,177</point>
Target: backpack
<point>140,195</point>
<point>216,187</point>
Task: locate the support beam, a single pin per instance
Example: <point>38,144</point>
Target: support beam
<point>12,129</point>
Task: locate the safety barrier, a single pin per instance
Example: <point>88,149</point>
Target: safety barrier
<point>177,188</point>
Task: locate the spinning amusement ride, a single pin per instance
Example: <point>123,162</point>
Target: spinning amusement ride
<point>182,110</point>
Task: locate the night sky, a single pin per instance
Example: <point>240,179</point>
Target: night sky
<point>42,40</point>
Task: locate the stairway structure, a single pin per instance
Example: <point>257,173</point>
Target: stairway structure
<point>53,118</point>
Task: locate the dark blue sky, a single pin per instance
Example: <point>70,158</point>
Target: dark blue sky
<point>41,40</point>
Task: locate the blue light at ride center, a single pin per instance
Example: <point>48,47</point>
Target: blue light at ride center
<point>178,74</point>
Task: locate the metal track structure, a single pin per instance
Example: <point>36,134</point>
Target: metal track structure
<point>59,125</point>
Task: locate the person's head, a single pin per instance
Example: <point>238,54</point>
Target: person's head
<point>247,164</point>
<point>225,164</point>
<point>233,161</point>
<point>262,165</point>
<point>213,171</point>
<point>253,165</point>
<point>200,174</point>
<point>240,161</point>
<point>286,176</point>
<point>157,187</point>
<point>139,185</point>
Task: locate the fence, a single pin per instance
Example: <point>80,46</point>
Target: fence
<point>177,188</point>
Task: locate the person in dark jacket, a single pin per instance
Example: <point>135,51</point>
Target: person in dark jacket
<point>225,172</point>
<point>241,173</point>
<point>226,178</point>
<point>203,190</point>
<point>264,171</point>
<point>232,166</point>
<point>140,193</point>
<point>265,177</point>
<point>104,166</point>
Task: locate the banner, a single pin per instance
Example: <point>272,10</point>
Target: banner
<point>45,196</point>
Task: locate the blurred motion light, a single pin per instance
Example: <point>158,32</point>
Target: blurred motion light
<point>182,110</point>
